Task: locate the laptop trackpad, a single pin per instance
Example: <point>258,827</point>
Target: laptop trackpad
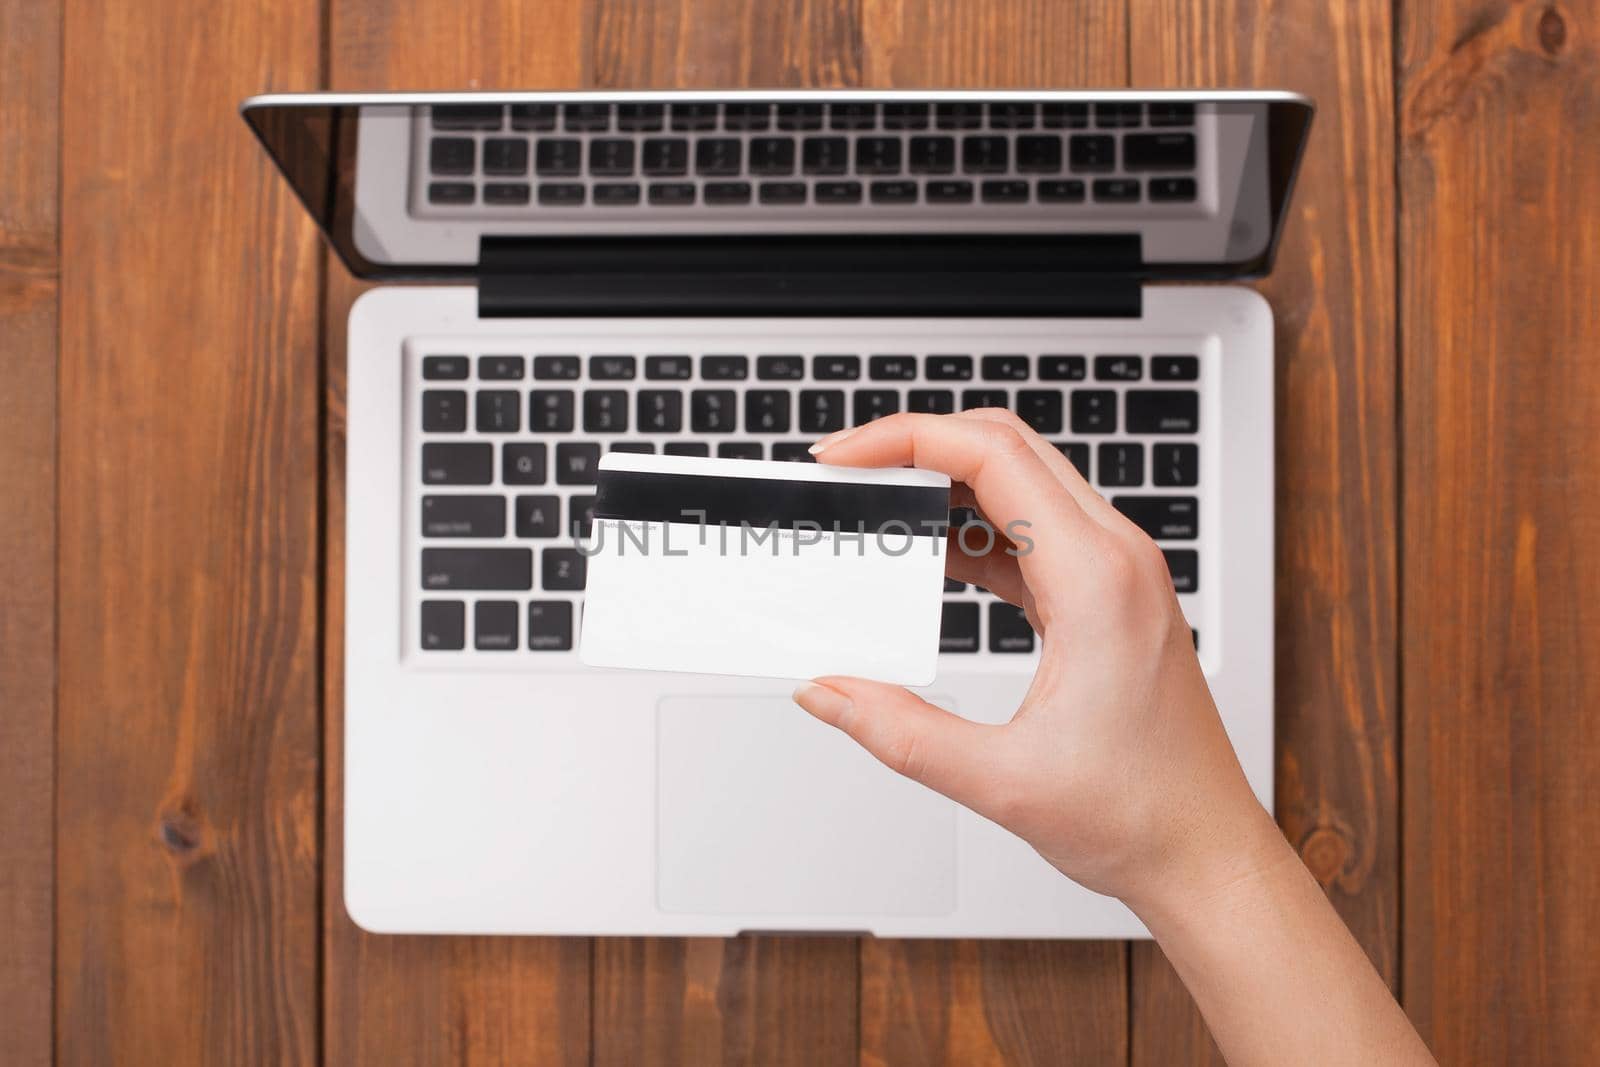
<point>764,809</point>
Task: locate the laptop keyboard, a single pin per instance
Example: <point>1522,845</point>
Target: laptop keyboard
<point>788,157</point>
<point>511,436</point>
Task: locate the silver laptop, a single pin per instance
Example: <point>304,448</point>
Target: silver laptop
<point>736,274</point>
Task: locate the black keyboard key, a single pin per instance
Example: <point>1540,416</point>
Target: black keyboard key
<point>780,368</point>
<point>958,626</point>
<point>878,155</point>
<point>665,157</point>
<point>1118,368</point>
<point>821,410</point>
<point>1158,151</point>
<point>932,155</point>
<point>577,464</point>
<point>1115,116</point>
<point>643,448</point>
<point>556,368</point>
<point>466,116</point>
<point>668,368</point>
<point>1008,629</point>
<point>1184,566</point>
<point>616,194</point>
<point>580,515</point>
<point>1175,465</point>
<point>558,157</point>
<point>1064,191</point>
<point>452,193</point>
<point>984,398</point>
<point>836,368</point>
<point>1092,152</point>
<point>1005,192</point>
<point>611,157</point>
<point>522,463</point>
<point>1012,115</point>
<point>948,368</point>
<point>718,156</point>
<point>561,194</point>
<point>739,450</point>
<point>726,193</point>
<point>586,118</point>
<point>533,116</point>
<point>505,157</point>
<point>686,448</point>
<point>931,401</point>
<point>605,411</point>
<point>499,411</point>
<point>477,568</point>
<point>538,516</point>
<point>502,368</point>
<point>781,192</point>
<point>894,192</point>
<point>712,410</point>
<point>853,116</point>
<point>1040,409</point>
<point>1063,116</point>
<point>1039,154</point>
<point>948,192</point>
<point>445,368</point>
<point>962,115</point>
<point>444,625</point>
<point>1116,190</point>
<point>905,116</point>
<point>1005,368</point>
<point>1062,368</point>
<point>984,154</point>
<point>1121,464</point>
<point>660,411</point>
<point>457,463</point>
<point>1163,411</point>
<point>613,368</point>
<point>1169,518</point>
<point>792,452</point>
<point>892,368</point>
<point>444,410</point>
<point>1172,190</point>
<point>838,192</point>
<point>799,116</point>
<point>694,116</point>
<point>1077,453</point>
<point>825,155</point>
<point>452,155</point>
<point>770,156</point>
<point>550,626</point>
<point>746,116</point>
<point>463,516</point>
<point>639,118</point>
<point>1171,114</point>
<point>507,193</point>
<point>672,194</point>
<point>766,411</point>
<point>1094,411</point>
<point>494,625</point>
<point>563,569</point>
<point>875,404</point>
<point>551,410</point>
<point>724,368</point>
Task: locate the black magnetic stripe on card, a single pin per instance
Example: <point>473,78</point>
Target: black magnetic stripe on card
<point>772,502</point>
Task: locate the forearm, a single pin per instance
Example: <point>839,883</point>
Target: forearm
<point>1276,973</point>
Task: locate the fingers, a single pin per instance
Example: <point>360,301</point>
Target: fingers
<point>968,560</point>
<point>910,736</point>
<point>1059,465</point>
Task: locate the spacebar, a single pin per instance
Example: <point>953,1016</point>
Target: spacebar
<point>477,568</point>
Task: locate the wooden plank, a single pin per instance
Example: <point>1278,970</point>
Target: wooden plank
<point>188,740</point>
<point>30,87</point>
<point>768,1000</point>
<point>426,1000</point>
<point>1499,264</point>
<point>1332,293</point>
<point>993,1001</point>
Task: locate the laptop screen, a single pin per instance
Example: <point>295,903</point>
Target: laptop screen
<point>1161,184</point>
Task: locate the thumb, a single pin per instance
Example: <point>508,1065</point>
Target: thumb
<point>910,736</point>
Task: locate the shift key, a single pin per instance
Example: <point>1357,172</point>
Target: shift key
<point>1164,518</point>
<point>477,568</point>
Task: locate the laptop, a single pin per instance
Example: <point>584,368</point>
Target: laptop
<point>736,274</point>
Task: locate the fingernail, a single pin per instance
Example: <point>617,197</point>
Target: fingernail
<point>829,705</point>
<point>831,440</point>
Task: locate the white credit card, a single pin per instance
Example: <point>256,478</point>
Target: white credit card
<point>765,569</point>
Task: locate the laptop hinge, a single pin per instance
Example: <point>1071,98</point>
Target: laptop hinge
<point>961,275</point>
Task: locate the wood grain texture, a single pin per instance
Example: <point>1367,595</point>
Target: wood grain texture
<point>428,1000</point>
<point>188,741</point>
<point>30,86</point>
<point>1500,261</point>
<point>1332,294</point>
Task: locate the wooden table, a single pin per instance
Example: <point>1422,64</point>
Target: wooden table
<point>171,458</point>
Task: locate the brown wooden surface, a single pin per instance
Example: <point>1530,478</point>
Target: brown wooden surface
<point>1500,385</point>
<point>30,84</point>
<point>1437,395</point>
